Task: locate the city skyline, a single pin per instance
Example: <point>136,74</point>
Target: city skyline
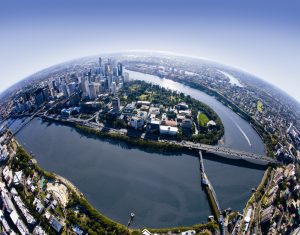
<point>259,38</point>
<point>153,117</point>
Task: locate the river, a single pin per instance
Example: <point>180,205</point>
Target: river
<point>162,190</point>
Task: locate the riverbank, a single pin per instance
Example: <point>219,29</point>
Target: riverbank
<point>267,138</point>
<point>147,145</point>
<point>165,147</point>
<point>76,199</point>
<point>105,136</point>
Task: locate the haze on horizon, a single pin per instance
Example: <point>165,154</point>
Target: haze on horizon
<point>261,38</point>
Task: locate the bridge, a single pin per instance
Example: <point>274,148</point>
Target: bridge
<point>30,118</point>
<point>211,194</point>
<point>233,153</point>
<point>219,150</point>
<point>205,182</point>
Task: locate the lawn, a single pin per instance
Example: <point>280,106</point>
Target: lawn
<point>143,97</point>
<point>202,119</point>
<point>260,106</point>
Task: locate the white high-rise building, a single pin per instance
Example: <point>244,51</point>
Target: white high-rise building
<point>97,87</point>
<point>86,85</point>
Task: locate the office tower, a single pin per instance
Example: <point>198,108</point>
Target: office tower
<point>46,93</point>
<point>120,69</point>
<point>108,69</point>
<point>106,85</point>
<point>126,77</point>
<point>72,88</point>
<point>97,88</point>
<point>64,89</point>
<point>39,97</point>
<point>109,81</point>
<point>85,85</point>
<point>115,71</point>
<point>116,103</point>
<point>100,62</point>
<point>74,99</point>
<point>113,88</point>
<point>92,91</point>
<point>55,86</point>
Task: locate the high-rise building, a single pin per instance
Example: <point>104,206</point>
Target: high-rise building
<point>126,77</point>
<point>51,89</point>
<point>85,85</point>
<point>39,97</point>
<point>92,91</point>
<point>115,71</point>
<point>72,88</point>
<point>64,89</point>
<point>55,86</point>
<point>100,62</point>
<point>116,103</point>
<point>97,87</point>
<point>109,81</point>
<point>46,93</point>
<point>74,99</point>
<point>108,69</point>
<point>120,69</point>
<point>113,88</point>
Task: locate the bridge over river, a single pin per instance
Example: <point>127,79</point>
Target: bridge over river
<point>229,152</point>
<point>215,149</point>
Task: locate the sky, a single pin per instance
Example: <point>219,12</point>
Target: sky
<point>259,37</point>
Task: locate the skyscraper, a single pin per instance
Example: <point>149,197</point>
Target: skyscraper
<point>107,69</point>
<point>64,89</point>
<point>84,86</point>
<point>120,69</point>
<point>72,88</point>
<point>109,81</point>
<point>116,103</point>
<point>39,97</point>
<point>114,88</point>
<point>100,62</point>
<point>126,77</point>
<point>92,91</point>
<point>115,71</point>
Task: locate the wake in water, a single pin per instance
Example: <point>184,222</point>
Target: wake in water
<point>244,134</point>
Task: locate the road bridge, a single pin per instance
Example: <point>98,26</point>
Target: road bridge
<point>215,149</point>
<point>25,123</point>
<point>233,153</point>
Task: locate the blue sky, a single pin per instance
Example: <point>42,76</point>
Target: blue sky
<point>260,37</point>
